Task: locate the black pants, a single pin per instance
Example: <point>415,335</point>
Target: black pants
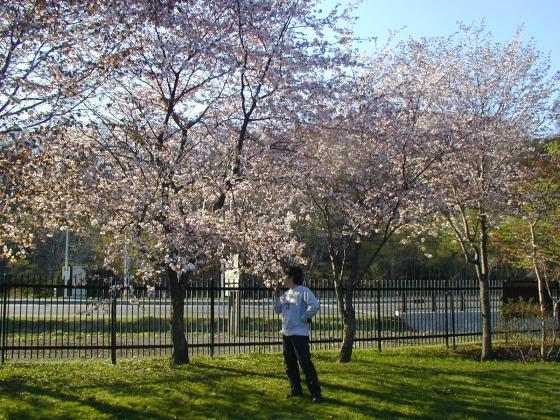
<point>296,349</point>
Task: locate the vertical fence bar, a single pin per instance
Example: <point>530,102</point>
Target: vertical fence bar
<point>453,319</point>
<point>21,319</point>
<point>113,324</point>
<point>558,297</point>
<point>5,290</point>
<point>446,314</point>
<point>378,317</point>
<point>212,316</point>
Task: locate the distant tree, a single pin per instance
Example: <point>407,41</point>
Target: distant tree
<point>530,239</point>
<point>495,98</point>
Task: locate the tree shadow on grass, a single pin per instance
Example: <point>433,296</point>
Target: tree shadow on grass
<point>488,393</point>
<point>35,401</point>
<point>422,396</point>
<point>384,389</point>
<point>199,391</point>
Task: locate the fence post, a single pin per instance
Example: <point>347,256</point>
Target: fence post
<point>5,291</point>
<point>558,297</point>
<point>212,308</point>
<point>378,317</point>
<point>446,314</point>
<point>453,319</point>
<point>113,323</point>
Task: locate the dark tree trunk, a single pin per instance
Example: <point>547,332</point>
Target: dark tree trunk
<point>344,288</point>
<point>348,315</point>
<point>177,289</point>
<point>345,299</point>
<point>486,319</point>
<point>482,274</point>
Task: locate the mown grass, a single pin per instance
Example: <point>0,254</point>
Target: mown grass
<point>147,324</point>
<point>427,382</point>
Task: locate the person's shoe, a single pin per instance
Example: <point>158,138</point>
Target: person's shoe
<point>294,395</point>
<point>317,399</point>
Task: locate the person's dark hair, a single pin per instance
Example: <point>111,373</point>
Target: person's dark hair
<point>296,274</point>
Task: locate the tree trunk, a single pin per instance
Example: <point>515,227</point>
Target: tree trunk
<point>541,286</point>
<point>486,314</point>
<point>482,274</point>
<point>180,351</point>
<point>542,301</point>
<point>346,309</point>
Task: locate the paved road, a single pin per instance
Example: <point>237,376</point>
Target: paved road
<point>418,317</point>
<point>64,307</point>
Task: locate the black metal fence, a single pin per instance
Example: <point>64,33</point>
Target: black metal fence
<point>45,319</point>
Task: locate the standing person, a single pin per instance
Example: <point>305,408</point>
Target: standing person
<point>297,306</point>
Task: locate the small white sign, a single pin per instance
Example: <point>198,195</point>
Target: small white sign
<point>232,273</point>
<point>75,275</point>
<point>78,276</point>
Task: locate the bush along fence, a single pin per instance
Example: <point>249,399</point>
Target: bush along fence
<point>46,319</point>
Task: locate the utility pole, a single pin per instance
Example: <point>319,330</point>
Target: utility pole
<point>66,248</point>
<point>126,265</point>
<point>67,270</point>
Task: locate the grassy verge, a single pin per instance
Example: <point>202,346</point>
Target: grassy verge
<point>148,324</point>
<point>418,382</point>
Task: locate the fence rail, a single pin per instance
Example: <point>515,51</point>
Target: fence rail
<point>46,319</point>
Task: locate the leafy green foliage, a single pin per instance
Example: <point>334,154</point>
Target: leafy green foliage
<point>516,316</point>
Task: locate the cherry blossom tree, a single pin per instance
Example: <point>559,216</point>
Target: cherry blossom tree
<point>495,97</point>
<point>368,171</point>
<point>44,67</point>
<point>183,149</point>
<point>51,60</point>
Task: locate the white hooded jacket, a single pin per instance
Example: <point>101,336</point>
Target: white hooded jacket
<point>297,306</point>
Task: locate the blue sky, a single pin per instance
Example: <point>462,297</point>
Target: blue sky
<point>440,17</point>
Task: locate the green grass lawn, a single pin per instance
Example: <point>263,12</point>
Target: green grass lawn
<point>142,324</point>
<point>417,382</point>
